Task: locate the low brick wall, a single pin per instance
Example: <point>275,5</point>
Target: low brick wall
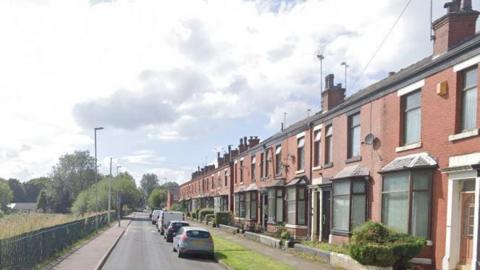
<point>266,240</point>
<point>323,255</point>
<point>229,229</point>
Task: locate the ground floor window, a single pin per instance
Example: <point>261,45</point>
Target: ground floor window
<point>224,203</point>
<point>237,205</point>
<point>242,205</point>
<point>253,205</point>
<point>296,205</point>
<point>246,205</point>
<point>406,200</point>
<point>276,205</point>
<point>349,204</point>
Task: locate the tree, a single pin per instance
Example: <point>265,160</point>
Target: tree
<point>34,186</point>
<point>73,174</point>
<point>42,200</point>
<point>148,183</point>
<point>169,185</point>
<point>6,195</point>
<point>158,198</point>
<point>17,189</point>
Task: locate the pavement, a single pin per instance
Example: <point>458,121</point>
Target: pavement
<point>274,253</point>
<point>90,255</point>
<point>142,247</point>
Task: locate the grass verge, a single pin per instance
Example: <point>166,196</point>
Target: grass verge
<point>327,247</point>
<point>239,257</point>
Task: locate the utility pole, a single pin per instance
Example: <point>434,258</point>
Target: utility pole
<point>118,200</point>
<point>110,191</point>
<point>96,177</point>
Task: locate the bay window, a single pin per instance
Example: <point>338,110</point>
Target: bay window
<point>349,204</point>
<point>237,205</point>
<point>253,204</point>
<point>296,205</point>
<point>406,202</point>
<point>242,205</point>
<point>275,205</point>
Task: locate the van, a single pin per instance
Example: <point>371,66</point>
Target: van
<point>167,216</point>
<point>155,214</point>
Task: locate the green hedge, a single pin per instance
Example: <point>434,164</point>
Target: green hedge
<point>210,218</point>
<point>203,212</point>
<point>194,215</point>
<point>375,244</point>
<point>224,218</point>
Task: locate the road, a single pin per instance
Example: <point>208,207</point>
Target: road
<point>142,247</point>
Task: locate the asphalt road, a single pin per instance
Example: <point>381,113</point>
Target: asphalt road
<point>142,247</point>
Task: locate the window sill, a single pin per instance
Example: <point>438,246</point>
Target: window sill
<point>300,172</point>
<point>464,135</point>
<point>353,159</point>
<point>408,147</point>
<point>328,165</point>
<point>341,233</point>
<point>293,226</point>
<point>316,168</point>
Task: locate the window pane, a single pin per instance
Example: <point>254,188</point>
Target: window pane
<point>413,100</point>
<point>395,211</point>
<point>355,142</point>
<point>341,187</point>
<point>279,210</point>
<point>358,210</point>
<point>412,126</point>
<point>253,206</point>
<point>237,205</point>
<point>301,142</point>
<point>247,205</point>
<point>470,78</point>
<point>271,205</point>
<point>329,131</point>
<point>469,109</point>
<point>420,205</point>
<point>301,212</point>
<point>318,135</point>
<point>291,205</point>
<point>358,187</point>
<point>355,119</point>
<point>396,182</point>
<point>279,149</point>
<point>421,180</point>
<point>341,212</point>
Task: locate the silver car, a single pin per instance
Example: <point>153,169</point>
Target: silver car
<point>193,240</point>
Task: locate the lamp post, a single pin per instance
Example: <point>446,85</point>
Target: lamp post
<point>118,200</point>
<point>96,177</point>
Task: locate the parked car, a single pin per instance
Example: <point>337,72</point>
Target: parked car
<point>155,214</point>
<point>193,240</point>
<point>172,228</point>
<point>167,216</point>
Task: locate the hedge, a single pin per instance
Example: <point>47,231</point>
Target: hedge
<point>375,244</point>
<point>210,218</point>
<point>203,212</point>
<point>224,218</point>
<point>194,215</point>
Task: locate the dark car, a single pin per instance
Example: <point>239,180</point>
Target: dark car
<point>172,227</point>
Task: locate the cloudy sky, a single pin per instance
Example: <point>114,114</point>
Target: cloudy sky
<point>173,82</point>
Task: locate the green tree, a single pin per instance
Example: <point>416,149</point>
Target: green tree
<point>6,195</point>
<point>169,185</point>
<point>158,198</point>
<point>42,200</point>
<point>73,174</point>
<point>148,183</point>
<point>17,189</point>
<point>34,186</point>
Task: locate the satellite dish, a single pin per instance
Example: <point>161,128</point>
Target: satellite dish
<point>369,139</point>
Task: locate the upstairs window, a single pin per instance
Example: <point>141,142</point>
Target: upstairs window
<point>235,173</point>
<point>412,117</point>
<point>278,160</point>
<point>241,171</point>
<point>328,145</point>
<point>267,160</point>
<point>252,168</point>
<point>225,178</point>
<point>316,147</point>
<point>301,154</point>
<point>469,100</point>
<point>354,135</point>
<point>262,162</point>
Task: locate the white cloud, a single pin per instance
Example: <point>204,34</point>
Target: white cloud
<point>189,67</point>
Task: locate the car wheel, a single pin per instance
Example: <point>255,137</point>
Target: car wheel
<point>174,250</point>
<point>212,256</point>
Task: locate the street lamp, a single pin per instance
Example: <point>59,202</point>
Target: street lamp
<point>96,177</point>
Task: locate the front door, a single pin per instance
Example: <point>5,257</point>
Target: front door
<point>468,212</point>
<point>325,215</point>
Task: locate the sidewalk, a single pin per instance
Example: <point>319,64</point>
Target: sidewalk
<point>281,256</point>
<point>90,255</point>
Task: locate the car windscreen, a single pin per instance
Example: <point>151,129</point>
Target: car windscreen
<point>198,234</point>
<point>179,224</point>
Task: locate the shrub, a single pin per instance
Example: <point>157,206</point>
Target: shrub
<point>375,244</point>
<point>210,218</point>
<point>285,235</point>
<point>281,232</point>
<point>223,218</point>
<point>1,213</point>
<point>203,212</point>
<point>194,215</point>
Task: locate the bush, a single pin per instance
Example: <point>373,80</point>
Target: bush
<point>1,213</point>
<point>285,235</point>
<point>223,218</point>
<point>375,244</point>
<point>210,218</point>
<point>203,212</point>
<point>194,215</point>
<point>281,233</point>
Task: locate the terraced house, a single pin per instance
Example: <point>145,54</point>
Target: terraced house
<point>404,151</point>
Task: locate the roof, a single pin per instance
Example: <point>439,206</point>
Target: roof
<point>188,228</point>
<point>352,171</point>
<point>302,180</point>
<point>414,161</point>
<point>277,183</point>
<point>23,206</point>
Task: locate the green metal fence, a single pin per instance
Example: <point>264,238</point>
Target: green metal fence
<point>27,250</point>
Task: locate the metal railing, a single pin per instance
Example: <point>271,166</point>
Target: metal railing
<point>27,250</point>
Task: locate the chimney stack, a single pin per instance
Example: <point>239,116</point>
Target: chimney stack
<point>333,95</point>
<point>455,27</point>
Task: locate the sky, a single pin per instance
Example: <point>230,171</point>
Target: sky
<point>173,82</point>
